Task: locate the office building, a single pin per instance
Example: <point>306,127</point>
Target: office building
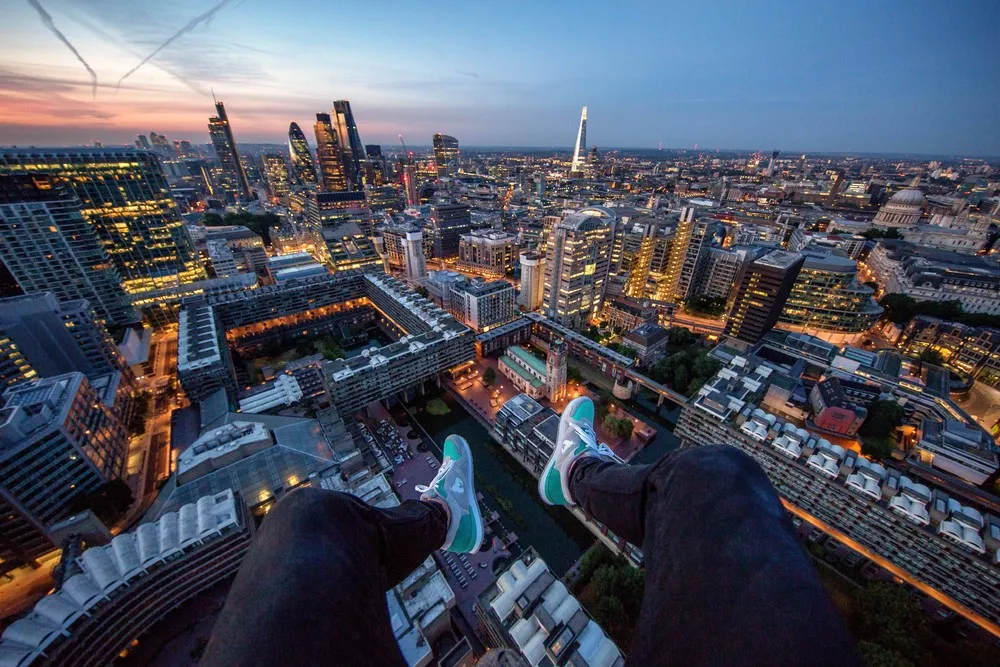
<point>203,361</point>
<point>445,154</point>
<point>972,350</point>
<point>903,210</point>
<point>649,341</point>
<point>532,280</point>
<point>330,209</point>
<point>47,245</point>
<point>42,337</point>
<point>899,519</point>
<point>127,202</point>
<point>576,266</point>
<point>222,259</point>
<point>690,244</point>
<point>762,293</point>
<point>348,248</point>
<point>330,156</point>
<point>530,611</point>
<point>384,198</point>
<point>722,269</point>
<point>625,314</point>
<point>234,175</point>
<point>828,297</point>
<point>59,437</point>
<point>487,252</point>
<point>115,593</point>
<point>303,167</point>
<point>448,223</point>
<point>276,175</point>
<point>350,143</point>
<point>929,274</point>
<point>580,150</point>
<point>413,256</point>
<point>409,180</point>
<point>482,305</point>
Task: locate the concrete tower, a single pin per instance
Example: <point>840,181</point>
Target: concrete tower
<point>555,370</point>
<point>532,281</point>
<point>413,254</point>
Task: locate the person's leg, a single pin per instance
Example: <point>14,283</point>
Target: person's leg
<point>727,581</point>
<point>312,589</point>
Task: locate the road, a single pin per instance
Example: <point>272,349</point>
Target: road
<point>26,586</point>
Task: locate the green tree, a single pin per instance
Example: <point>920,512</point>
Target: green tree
<point>620,427</point>
<point>890,617</point>
<point>489,376</point>
<point>437,407</point>
<point>573,374</point>
<point>877,233</point>
<point>140,413</point>
<point>876,655</point>
<point>899,308</point>
<point>680,337</point>
<point>884,417</point>
<point>931,356</point>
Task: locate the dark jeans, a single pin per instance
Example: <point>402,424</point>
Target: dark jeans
<point>727,582</point>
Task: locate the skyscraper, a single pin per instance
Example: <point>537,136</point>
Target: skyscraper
<point>445,154</point>
<point>762,293</point>
<point>126,201</point>
<point>410,184</point>
<point>47,245</point>
<point>350,143</point>
<point>687,250</point>
<point>580,152</point>
<point>449,222</point>
<point>333,177</point>
<point>276,175</point>
<point>576,266</point>
<point>234,176</point>
<point>303,167</point>
<point>532,280</point>
<point>413,254</point>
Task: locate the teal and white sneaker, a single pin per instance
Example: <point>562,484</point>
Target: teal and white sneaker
<point>575,439</point>
<point>454,485</point>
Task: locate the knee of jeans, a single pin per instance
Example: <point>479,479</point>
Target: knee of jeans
<point>724,465</point>
<point>304,502</point>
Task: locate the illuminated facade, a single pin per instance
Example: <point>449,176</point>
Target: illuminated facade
<point>332,172</point>
<point>576,268</point>
<point>580,151</point>
<point>445,154</point>
<point>686,252</point>
<point>234,175</point>
<point>347,248</point>
<point>48,245</point>
<point>762,293</point>
<point>276,175</point>
<point>126,200</point>
<point>487,252</point>
<point>303,167</point>
<point>350,143</point>
<point>827,296</point>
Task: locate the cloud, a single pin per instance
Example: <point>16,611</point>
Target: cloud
<point>50,24</point>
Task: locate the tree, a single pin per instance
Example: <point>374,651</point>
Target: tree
<point>899,308</point>
<point>489,376</point>
<point>680,337</point>
<point>884,417</point>
<point>437,407</point>
<point>890,618</point>
<point>932,357</point>
<point>140,413</point>
<point>619,427</point>
<point>573,374</point>
<point>877,233</point>
<point>330,348</point>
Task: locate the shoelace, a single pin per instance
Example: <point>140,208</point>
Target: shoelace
<point>445,467</point>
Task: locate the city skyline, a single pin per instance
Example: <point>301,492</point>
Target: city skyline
<point>818,79</point>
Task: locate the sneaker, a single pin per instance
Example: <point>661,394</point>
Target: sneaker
<point>576,439</point>
<point>454,485</point>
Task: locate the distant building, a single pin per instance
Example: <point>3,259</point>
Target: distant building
<point>489,253</point>
<point>203,361</point>
<point>118,591</point>
<point>833,411</point>
<point>762,293</point>
<point>902,210</point>
<point>690,244</point>
<point>303,166</point>
<point>625,314</point>
<point>350,143</point>
<point>234,175</point>
<point>47,245</point>
<point>445,154</point>
<point>828,296</point>
<point>276,174</point>
<point>413,256</point>
<point>448,223</point>
<point>576,269</point>
<point>348,248</point>
<point>532,280</point>
<point>59,437</point>
<point>528,609</point>
<point>722,269</point>
<point>330,155</point>
<point>648,340</point>
<point>580,150</point>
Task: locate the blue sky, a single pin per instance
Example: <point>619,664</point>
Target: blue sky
<point>881,76</point>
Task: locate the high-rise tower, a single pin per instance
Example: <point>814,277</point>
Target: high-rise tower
<point>350,143</point>
<point>127,202</point>
<point>532,280</point>
<point>233,174</point>
<point>445,154</point>
<point>328,152</point>
<point>686,251</point>
<point>576,266</point>
<point>762,293</point>
<point>580,152</point>
<point>47,245</point>
<point>303,167</point>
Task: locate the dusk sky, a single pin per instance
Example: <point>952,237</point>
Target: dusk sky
<point>873,75</point>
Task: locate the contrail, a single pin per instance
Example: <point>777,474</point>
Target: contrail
<point>190,25</point>
<point>50,24</point>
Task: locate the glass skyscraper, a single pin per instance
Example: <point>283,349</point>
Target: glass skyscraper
<point>234,176</point>
<point>445,154</point>
<point>328,152</point>
<point>126,201</point>
<point>350,142</point>
<point>47,245</point>
<point>303,167</point>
